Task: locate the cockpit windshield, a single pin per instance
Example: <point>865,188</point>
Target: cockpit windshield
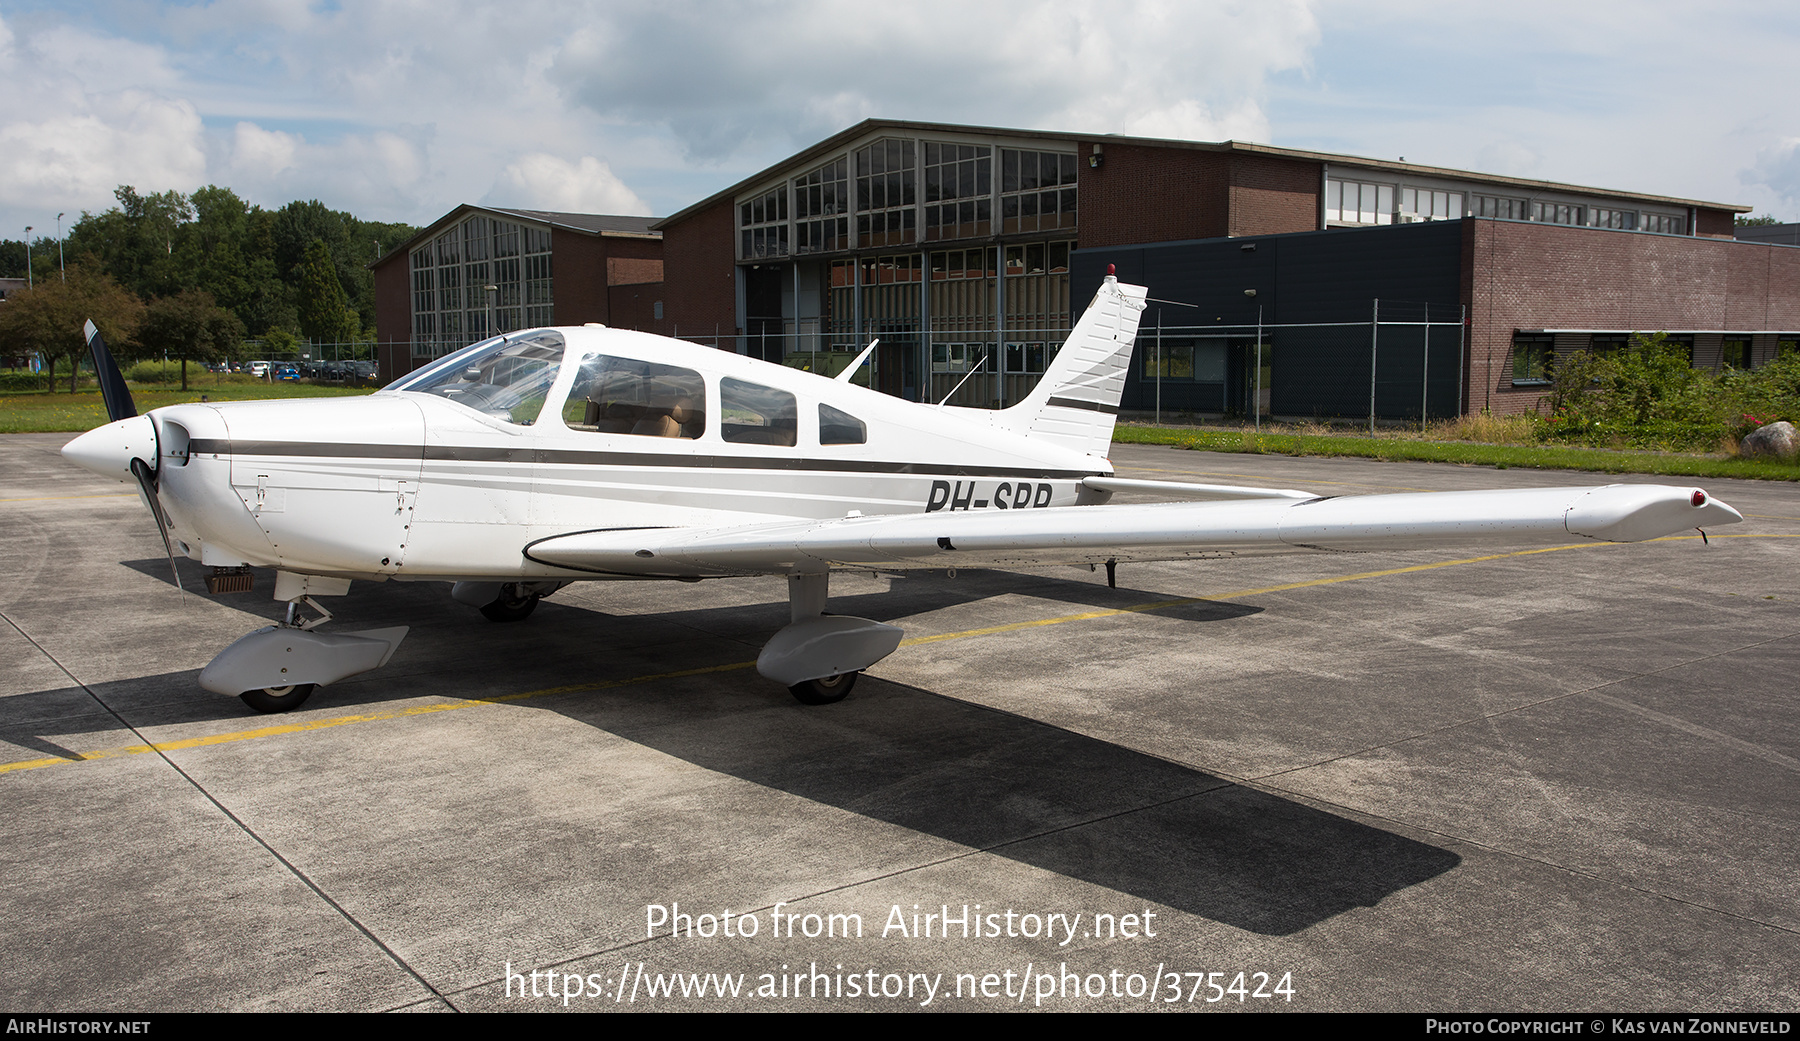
<point>506,378</point>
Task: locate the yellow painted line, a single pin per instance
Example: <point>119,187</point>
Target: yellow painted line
<point>573,688</point>
<point>364,717</point>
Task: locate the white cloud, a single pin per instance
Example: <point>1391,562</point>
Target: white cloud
<point>64,145</point>
<point>545,182</point>
<point>73,158</point>
<point>400,109</point>
<point>261,153</point>
<point>1193,69</point>
<point>1777,169</point>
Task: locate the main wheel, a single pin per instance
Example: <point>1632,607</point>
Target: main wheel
<point>509,608</point>
<point>824,691</point>
<point>278,699</point>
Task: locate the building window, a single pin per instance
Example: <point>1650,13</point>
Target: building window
<point>1531,360</point>
<point>959,357</point>
<point>1556,213</point>
<point>885,193</point>
<point>1037,191</point>
<point>1502,208</point>
<point>1201,361</point>
<point>959,187</point>
<point>450,273</point>
<point>962,292</point>
<point>1027,357</point>
<point>1618,220</point>
<point>1353,202</point>
<point>1419,204</point>
<point>1734,354</point>
<point>1607,345</point>
<point>1036,303</point>
<point>821,205</point>
<point>1664,224</point>
<point>762,224</point>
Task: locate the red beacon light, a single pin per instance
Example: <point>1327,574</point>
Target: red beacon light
<point>1698,498</point>
<point>1112,269</point>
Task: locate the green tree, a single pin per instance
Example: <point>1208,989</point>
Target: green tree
<point>48,319</point>
<point>190,324</point>
<point>1754,222</point>
<point>324,318</point>
<point>135,241</point>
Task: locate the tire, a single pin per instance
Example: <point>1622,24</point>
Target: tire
<point>278,699</point>
<point>824,691</point>
<point>507,608</point>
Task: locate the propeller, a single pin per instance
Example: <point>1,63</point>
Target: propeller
<point>146,479</point>
<point>112,385</point>
<point>120,406</point>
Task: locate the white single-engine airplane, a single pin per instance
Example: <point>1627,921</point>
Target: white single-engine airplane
<point>549,456</point>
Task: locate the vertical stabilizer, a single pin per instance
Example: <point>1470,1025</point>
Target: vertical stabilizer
<point>1077,402</point>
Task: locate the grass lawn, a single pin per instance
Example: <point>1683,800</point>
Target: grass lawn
<point>1412,446</point>
<point>42,412</point>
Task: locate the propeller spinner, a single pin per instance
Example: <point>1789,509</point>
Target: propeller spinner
<point>127,445</point>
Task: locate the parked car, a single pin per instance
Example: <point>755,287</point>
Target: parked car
<point>286,371</point>
<point>259,369</point>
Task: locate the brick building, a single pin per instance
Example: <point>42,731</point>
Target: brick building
<point>968,249</point>
<point>432,293</point>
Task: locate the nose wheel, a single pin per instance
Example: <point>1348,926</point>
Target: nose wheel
<point>825,690</point>
<point>278,699</point>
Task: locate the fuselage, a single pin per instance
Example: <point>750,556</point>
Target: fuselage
<point>454,471</point>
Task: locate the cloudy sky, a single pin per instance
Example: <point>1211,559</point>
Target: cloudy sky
<point>401,109</point>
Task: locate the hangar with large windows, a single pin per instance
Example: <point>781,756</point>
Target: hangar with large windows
<point>967,251</point>
<point>961,249</point>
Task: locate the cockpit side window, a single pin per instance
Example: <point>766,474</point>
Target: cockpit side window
<point>625,396</point>
<point>837,427</point>
<point>505,378</point>
<point>752,414</point>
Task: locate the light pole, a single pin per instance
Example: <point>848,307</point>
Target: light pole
<point>491,291</point>
<point>61,271</point>
<point>28,282</point>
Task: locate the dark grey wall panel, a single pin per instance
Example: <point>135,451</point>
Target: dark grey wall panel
<point>1330,276</point>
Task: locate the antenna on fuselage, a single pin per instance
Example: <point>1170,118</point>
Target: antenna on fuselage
<point>850,369</point>
<point>959,383</point>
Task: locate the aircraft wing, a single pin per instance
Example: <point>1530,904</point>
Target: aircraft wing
<point>1161,531</point>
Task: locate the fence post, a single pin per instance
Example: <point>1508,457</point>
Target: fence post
<point>1425,372</point>
<point>1374,334</point>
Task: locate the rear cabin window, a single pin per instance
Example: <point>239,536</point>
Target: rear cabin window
<point>837,427</point>
<point>752,414</point>
<point>641,398</point>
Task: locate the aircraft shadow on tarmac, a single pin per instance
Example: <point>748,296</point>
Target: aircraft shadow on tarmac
<point>851,592</point>
<point>1027,791</point>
